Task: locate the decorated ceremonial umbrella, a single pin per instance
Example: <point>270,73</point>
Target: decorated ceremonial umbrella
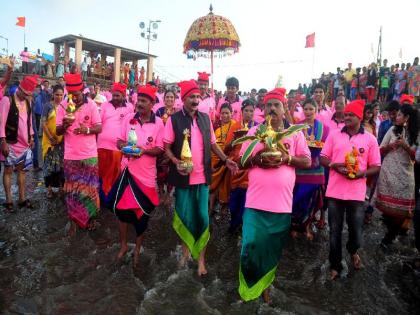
<point>211,36</point>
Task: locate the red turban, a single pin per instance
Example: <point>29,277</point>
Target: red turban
<point>148,91</point>
<point>203,77</point>
<point>29,83</point>
<point>119,87</point>
<point>278,94</point>
<point>356,107</point>
<point>407,99</point>
<point>73,82</point>
<point>188,88</point>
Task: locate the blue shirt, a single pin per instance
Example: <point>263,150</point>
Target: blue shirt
<point>40,100</point>
<point>383,129</point>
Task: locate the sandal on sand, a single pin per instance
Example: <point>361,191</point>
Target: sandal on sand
<point>334,274</point>
<point>25,204</point>
<point>8,206</point>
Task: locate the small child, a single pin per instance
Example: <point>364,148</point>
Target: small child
<point>384,115</point>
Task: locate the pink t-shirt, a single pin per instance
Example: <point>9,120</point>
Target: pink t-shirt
<point>197,148</point>
<point>333,125</point>
<point>335,148</point>
<point>178,103</point>
<point>112,119</point>
<point>272,189</point>
<point>236,107</point>
<point>259,115</point>
<point>324,115</point>
<point>298,115</point>
<point>80,147</point>
<point>22,137</point>
<point>149,136</point>
<point>207,105</point>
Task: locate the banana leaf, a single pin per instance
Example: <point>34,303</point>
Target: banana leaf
<point>261,129</point>
<point>269,142</point>
<point>289,131</point>
<point>243,139</point>
<point>248,151</point>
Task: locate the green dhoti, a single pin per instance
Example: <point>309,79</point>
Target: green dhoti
<point>263,237</point>
<point>191,217</point>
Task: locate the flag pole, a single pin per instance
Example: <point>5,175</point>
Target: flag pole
<point>313,63</point>
<point>24,37</point>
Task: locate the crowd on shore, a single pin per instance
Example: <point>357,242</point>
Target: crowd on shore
<point>275,162</point>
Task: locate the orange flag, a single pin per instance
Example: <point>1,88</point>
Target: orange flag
<point>21,21</point>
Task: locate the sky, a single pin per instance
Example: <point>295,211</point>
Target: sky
<point>272,34</point>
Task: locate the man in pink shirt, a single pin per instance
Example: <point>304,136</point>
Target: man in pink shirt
<point>268,207</point>
<point>191,216</point>
<point>79,128</point>
<point>232,98</point>
<point>324,111</point>
<point>207,103</point>
<point>346,189</point>
<point>112,114</point>
<point>337,119</point>
<point>16,138</point>
<point>135,195</point>
<point>259,107</point>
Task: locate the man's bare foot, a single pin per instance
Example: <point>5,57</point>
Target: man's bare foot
<point>122,252</point>
<point>266,296</point>
<point>334,274</point>
<point>357,262</point>
<point>293,234</point>
<point>309,235</point>
<point>183,261</point>
<point>201,269</point>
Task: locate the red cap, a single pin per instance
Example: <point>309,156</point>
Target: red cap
<point>188,88</point>
<point>407,99</point>
<point>73,82</point>
<point>29,83</point>
<point>203,77</point>
<point>278,94</point>
<point>119,87</point>
<point>148,91</point>
<point>356,107</point>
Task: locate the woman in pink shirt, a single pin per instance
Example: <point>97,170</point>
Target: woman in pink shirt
<point>109,156</point>
<point>81,186</point>
<point>266,219</point>
<point>135,190</point>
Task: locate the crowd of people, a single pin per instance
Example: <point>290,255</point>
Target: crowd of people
<point>348,159</point>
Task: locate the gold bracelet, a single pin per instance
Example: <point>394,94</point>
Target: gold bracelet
<point>289,160</point>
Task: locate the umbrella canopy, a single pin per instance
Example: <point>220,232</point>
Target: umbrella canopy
<point>211,35</point>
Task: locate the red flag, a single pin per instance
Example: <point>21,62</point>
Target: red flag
<point>21,21</point>
<point>310,40</point>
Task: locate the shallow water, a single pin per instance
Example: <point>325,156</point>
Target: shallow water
<point>43,272</point>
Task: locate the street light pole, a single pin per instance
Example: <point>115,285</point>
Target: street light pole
<point>149,34</point>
